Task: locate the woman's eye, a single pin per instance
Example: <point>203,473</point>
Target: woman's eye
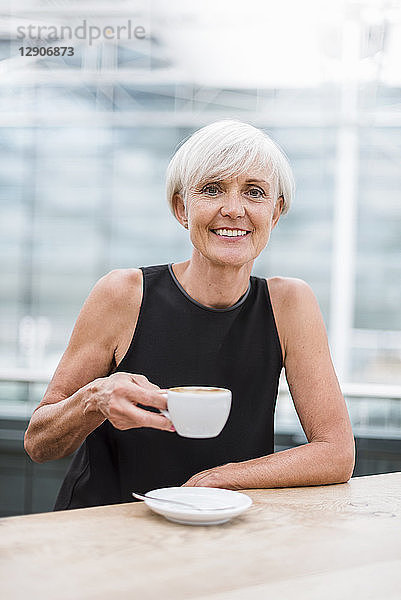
<point>211,189</point>
<point>255,193</point>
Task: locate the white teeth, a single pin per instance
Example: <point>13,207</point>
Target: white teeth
<point>230,232</point>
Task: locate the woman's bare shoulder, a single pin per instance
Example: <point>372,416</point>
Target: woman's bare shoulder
<point>122,294</point>
<point>123,289</point>
<point>98,334</point>
<point>120,283</point>
<point>113,303</point>
<point>288,291</point>
<point>290,297</point>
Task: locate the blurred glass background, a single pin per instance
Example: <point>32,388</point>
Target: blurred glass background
<point>84,144</point>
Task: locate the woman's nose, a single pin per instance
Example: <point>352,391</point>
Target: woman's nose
<point>233,205</point>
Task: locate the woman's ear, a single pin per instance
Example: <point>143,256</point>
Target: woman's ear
<point>278,209</point>
<point>180,210</point>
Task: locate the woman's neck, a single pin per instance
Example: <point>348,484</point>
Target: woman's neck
<point>211,284</point>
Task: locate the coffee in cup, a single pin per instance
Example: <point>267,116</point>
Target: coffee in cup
<point>198,411</point>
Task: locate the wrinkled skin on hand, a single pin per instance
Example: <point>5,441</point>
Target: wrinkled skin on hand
<point>225,476</point>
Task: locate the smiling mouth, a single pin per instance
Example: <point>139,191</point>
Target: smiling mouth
<point>231,233</point>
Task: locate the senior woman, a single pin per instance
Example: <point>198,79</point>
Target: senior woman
<point>204,321</point>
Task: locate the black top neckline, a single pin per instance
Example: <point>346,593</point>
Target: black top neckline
<point>239,302</point>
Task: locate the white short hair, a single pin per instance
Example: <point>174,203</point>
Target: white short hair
<point>224,149</point>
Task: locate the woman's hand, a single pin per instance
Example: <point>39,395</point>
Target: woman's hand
<point>224,476</point>
<point>117,396</point>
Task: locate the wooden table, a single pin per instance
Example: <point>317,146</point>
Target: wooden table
<point>330,542</point>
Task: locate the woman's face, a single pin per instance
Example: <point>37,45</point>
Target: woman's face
<point>230,220</point>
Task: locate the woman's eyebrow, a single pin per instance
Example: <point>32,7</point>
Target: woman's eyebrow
<point>212,180</point>
<point>257,181</point>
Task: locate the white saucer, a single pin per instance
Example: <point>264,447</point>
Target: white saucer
<point>204,497</point>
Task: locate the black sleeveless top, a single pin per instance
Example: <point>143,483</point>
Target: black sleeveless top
<point>178,341</point>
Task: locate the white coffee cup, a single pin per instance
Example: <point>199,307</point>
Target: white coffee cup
<point>198,411</point>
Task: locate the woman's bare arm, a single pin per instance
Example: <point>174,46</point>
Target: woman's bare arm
<point>81,394</point>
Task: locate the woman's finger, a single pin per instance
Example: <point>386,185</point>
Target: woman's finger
<point>146,396</point>
<point>144,382</point>
<point>195,478</point>
<point>128,416</point>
